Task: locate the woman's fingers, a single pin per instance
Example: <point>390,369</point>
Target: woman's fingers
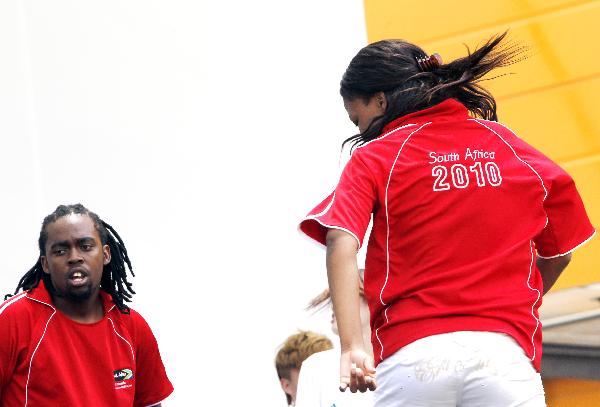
<point>358,381</point>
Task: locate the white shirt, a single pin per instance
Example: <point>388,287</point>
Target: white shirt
<point>319,384</point>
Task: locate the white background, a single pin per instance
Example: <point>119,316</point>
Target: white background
<point>203,131</point>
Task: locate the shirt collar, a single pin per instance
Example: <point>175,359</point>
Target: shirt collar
<point>449,109</point>
<point>42,295</point>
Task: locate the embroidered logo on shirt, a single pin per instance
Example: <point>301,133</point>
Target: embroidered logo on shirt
<point>123,374</point>
<point>123,378</point>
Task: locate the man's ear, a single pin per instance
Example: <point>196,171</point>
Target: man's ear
<point>44,262</point>
<point>106,252</point>
<point>285,385</point>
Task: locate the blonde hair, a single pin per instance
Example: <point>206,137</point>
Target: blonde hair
<point>296,349</point>
<point>324,299</point>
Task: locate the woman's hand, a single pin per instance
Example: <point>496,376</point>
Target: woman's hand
<point>357,371</point>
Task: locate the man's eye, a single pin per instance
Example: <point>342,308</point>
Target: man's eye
<point>86,246</point>
<point>59,252</point>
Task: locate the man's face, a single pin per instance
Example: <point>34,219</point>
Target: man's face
<point>75,257</point>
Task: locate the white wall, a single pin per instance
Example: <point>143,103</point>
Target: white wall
<point>203,131</point>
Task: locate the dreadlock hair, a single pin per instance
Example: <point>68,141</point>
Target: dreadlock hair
<point>390,66</point>
<point>114,275</point>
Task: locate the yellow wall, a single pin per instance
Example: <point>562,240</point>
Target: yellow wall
<point>572,393</point>
<point>551,101</point>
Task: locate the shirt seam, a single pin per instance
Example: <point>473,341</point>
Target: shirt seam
<point>388,133</point>
<point>35,351</point>
<point>387,306</point>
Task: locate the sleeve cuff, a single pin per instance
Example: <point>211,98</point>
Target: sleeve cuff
<point>316,229</point>
<point>568,251</point>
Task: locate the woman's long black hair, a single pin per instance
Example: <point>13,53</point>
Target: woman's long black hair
<point>391,67</point>
<point>114,276</point>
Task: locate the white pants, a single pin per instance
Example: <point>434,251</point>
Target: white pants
<point>465,369</point>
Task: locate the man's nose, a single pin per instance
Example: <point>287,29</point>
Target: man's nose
<point>75,257</point>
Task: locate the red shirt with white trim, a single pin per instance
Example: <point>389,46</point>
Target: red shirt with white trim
<point>47,359</point>
<point>460,207</point>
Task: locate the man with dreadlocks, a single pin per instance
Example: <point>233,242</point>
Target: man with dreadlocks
<point>69,339</point>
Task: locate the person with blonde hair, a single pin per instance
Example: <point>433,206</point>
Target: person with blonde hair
<point>288,360</point>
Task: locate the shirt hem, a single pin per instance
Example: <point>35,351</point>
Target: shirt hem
<point>425,328</point>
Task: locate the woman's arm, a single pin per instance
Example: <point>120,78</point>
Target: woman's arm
<point>356,365</point>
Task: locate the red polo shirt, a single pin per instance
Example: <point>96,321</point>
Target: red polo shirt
<point>47,359</point>
<point>461,207</point>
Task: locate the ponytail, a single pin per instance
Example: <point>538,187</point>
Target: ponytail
<point>393,67</point>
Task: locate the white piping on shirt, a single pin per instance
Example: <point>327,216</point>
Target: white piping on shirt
<point>387,240</point>
<point>330,204</point>
<point>516,155</point>
<point>22,295</point>
<point>12,300</point>
<point>385,135</point>
<point>37,346</point>
<point>479,121</point>
<point>532,248</point>
<point>539,295</point>
<point>324,211</point>
<point>571,250</point>
<point>546,192</point>
<point>334,227</point>
<point>126,341</point>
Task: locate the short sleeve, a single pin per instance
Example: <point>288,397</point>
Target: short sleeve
<point>347,208</point>
<point>568,225</point>
<point>152,383</point>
